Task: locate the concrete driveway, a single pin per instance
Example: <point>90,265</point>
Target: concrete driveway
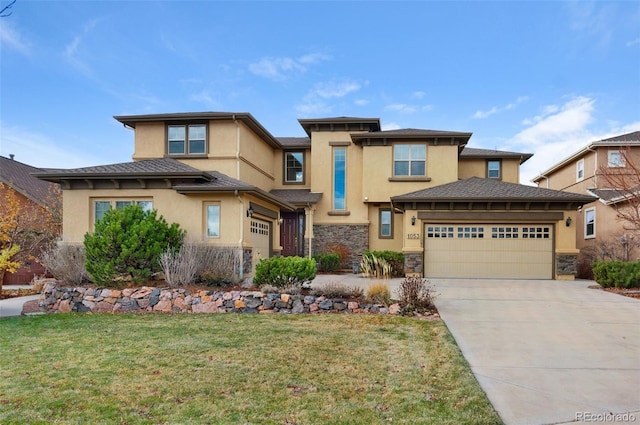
<point>548,352</point>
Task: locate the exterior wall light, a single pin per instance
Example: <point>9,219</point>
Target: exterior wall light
<point>250,211</point>
<point>568,222</point>
<point>413,220</point>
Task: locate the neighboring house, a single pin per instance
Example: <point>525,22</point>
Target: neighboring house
<point>33,196</point>
<point>598,228</point>
<point>453,211</point>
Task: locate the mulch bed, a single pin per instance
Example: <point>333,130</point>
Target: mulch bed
<point>631,292</point>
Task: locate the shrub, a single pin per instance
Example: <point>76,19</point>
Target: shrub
<point>66,263</point>
<point>617,274</point>
<point>193,262</point>
<point>283,272</point>
<point>337,248</point>
<point>329,262</point>
<point>127,243</point>
<point>338,290</point>
<point>373,266</point>
<point>379,294</point>
<point>393,258</point>
<point>416,295</point>
<point>220,265</point>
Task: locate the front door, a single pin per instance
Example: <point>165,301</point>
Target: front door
<point>289,234</point>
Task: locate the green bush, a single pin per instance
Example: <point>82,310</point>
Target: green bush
<point>393,258</point>
<point>126,245</point>
<point>329,262</point>
<point>282,272</point>
<point>617,274</point>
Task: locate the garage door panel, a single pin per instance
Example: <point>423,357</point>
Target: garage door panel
<point>489,251</point>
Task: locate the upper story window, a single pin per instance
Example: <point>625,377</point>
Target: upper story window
<point>494,169</point>
<point>580,170</point>
<point>409,160</point>
<point>294,167</point>
<point>615,159</point>
<point>339,178</point>
<point>188,139</point>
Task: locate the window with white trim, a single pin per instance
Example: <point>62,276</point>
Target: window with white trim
<point>580,170</point>
<point>188,139</point>
<point>590,223</point>
<point>294,167</point>
<point>615,159</point>
<point>212,220</point>
<point>494,169</point>
<point>409,160</point>
<point>100,207</point>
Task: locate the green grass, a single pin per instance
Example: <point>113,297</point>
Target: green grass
<point>234,369</point>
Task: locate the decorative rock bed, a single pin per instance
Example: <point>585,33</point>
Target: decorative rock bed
<point>150,299</point>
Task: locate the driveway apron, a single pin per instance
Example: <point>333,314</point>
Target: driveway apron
<point>548,352</point>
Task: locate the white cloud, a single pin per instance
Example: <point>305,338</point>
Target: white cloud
<point>390,126</point>
<point>633,42</point>
<point>361,102</point>
<point>418,94</point>
<point>401,107</point>
<point>205,97</point>
<point>12,39</point>
<point>282,68</point>
<point>72,50</point>
<point>497,109</point>
<point>315,101</point>
<point>40,151</point>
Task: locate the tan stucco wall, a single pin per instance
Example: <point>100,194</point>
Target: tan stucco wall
<point>149,141</point>
<point>278,168</point>
<point>477,167</point>
<point>381,244</point>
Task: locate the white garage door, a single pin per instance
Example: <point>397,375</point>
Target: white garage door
<point>488,251</point>
<point>260,239</point>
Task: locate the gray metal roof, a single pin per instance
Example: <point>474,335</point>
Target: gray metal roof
<point>20,177</point>
<point>468,152</point>
<point>297,196</point>
<point>481,189</point>
<point>294,142</point>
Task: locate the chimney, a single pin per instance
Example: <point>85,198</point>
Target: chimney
<point>11,156</point>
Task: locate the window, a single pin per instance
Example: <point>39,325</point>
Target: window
<point>386,223</point>
<point>339,178</point>
<point>187,139</point>
<point>101,207</point>
<point>493,169</point>
<point>213,220</point>
<point>294,167</point>
<point>471,232</point>
<point>615,159</point>
<point>590,223</point>
<point>409,160</point>
<point>440,232</point>
<point>505,232</point>
<point>536,233</point>
<point>580,170</point>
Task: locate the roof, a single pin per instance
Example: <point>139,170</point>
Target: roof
<point>340,123</point>
<point>435,136</point>
<point>297,196</point>
<point>161,167</point>
<point>468,152</point>
<point>613,196</point>
<point>245,117</point>
<point>19,176</point>
<point>628,139</point>
<point>481,189</point>
<point>294,142</point>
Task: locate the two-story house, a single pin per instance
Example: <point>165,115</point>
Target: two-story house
<point>453,211</point>
<point>607,169</point>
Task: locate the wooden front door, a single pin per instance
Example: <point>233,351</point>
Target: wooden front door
<point>290,234</point>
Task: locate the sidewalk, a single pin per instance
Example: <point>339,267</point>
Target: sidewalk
<point>13,306</point>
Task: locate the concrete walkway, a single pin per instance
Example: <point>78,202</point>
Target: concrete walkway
<point>544,351</point>
<point>13,306</point>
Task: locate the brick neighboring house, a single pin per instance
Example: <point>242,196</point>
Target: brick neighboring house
<point>34,195</point>
<point>597,222</point>
<point>453,210</point>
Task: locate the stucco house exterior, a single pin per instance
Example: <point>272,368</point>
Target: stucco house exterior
<point>585,172</point>
<point>34,197</point>
<point>453,210</point>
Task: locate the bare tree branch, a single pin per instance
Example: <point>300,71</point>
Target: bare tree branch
<point>3,11</point>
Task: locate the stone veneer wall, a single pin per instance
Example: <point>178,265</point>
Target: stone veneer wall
<point>56,299</point>
<point>354,236</point>
<point>413,263</point>
<point>566,264</point>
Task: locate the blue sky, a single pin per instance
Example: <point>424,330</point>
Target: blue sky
<point>539,77</point>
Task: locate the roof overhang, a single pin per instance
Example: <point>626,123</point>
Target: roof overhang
<point>432,137</point>
<point>340,124</point>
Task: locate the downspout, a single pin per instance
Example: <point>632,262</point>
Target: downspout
<point>237,146</point>
<point>595,166</point>
<point>241,270</point>
<point>309,221</point>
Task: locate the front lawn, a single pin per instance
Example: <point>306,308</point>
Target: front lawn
<point>234,369</point>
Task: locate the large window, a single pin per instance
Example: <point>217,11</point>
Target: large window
<point>339,178</point>
<point>294,167</point>
<point>580,170</point>
<point>213,220</point>
<point>386,223</point>
<point>101,207</point>
<point>493,169</point>
<point>409,160</point>
<point>590,223</point>
<point>187,139</point>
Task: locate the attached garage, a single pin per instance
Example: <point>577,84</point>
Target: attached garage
<point>260,239</point>
<point>477,250</point>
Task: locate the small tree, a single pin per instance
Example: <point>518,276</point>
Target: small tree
<point>127,244</point>
<point>624,179</point>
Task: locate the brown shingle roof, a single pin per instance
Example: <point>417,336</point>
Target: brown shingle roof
<point>19,176</point>
<point>468,152</point>
<point>480,189</point>
<point>629,137</point>
<point>297,196</point>
<point>294,142</point>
